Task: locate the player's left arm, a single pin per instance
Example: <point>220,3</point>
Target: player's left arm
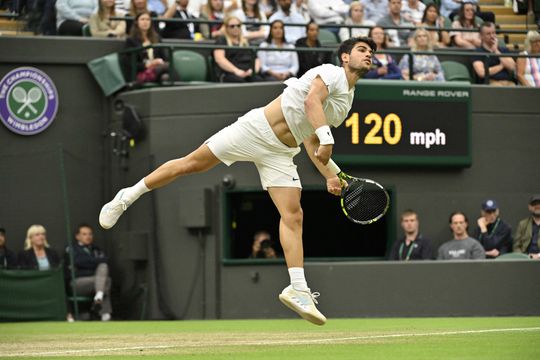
<point>333,184</point>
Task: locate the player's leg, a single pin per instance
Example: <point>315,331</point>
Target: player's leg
<point>297,296</point>
<point>198,161</point>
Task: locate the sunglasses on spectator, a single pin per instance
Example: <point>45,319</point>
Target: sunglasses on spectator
<point>232,26</point>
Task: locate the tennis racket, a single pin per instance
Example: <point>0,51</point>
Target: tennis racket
<point>363,201</point>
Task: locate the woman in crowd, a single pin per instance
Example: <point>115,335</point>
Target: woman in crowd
<point>383,65</point>
<point>356,17</point>
<point>136,7</point>
<point>277,65</point>
<point>426,67</point>
<point>466,39</point>
<point>235,65</point>
<point>311,59</point>
<point>37,254</point>
<point>528,69</point>
<point>212,10</point>
<point>432,18</point>
<point>72,15</point>
<point>250,12</point>
<point>102,26</point>
<point>151,63</point>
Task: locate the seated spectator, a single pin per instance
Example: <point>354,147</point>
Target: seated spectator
<point>102,26</point>
<point>37,255</point>
<point>452,6</point>
<point>413,245</point>
<point>500,69</point>
<point>250,12</point>
<point>212,10</point>
<point>277,65</point>
<point>432,18</point>
<point>461,247</point>
<point>262,247</point>
<point>268,7</point>
<point>493,233</point>
<point>467,20</point>
<point>383,66</point>
<point>179,30</point>
<point>426,67</point>
<point>374,10</point>
<point>526,236</point>
<point>158,6</point>
<point>72,15</point>
<point>136,7</point>
<point>311,59</point>
<point>356,17</point>
<point>235,65</point>
<point>287,15</point>
<point>394,18</point>
<point>91,271</point>
<point>151,63</point>
<point>413,11</point>
<point>300,7</point>
<point>528,69</point>
<point>8,259</point>
<point>328,12</point>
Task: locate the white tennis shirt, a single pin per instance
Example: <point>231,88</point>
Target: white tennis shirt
<point>336,106</point>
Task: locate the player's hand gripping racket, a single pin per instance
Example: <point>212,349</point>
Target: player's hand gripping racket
<point>363,201</point>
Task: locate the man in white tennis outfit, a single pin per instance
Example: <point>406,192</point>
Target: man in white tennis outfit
<point>270,138</point>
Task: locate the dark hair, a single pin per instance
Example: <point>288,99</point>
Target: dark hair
<point>80,226</point>
<point>432,5</point>
<point>2,231</point>
<point>461,14</point>
<point>457,213</point>
<point>269,38</point>
<point>385,41</point>
<point>136,33</point>
<point>311,22</point>
<point>256,9</point>
<point>347,46</point>
<point>487,24</point>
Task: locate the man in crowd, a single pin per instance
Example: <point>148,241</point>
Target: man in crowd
<point>8,259</point>
<point>285,14</point>
<point>461,247</point>
<point>394,18</point>
<point>526,237</point>
<point>413,245</point>
<point>493,233</point>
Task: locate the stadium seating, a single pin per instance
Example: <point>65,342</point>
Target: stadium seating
<point>86,30</point>
<point>190,66</point>
<point>327,37</point>
<point>514,256</point>
<point>455,71</point>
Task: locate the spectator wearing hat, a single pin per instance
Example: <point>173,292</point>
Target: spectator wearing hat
<point>462,246</point>
<point>526,236</point>
<point>8,259</point>
<point>493,233</point>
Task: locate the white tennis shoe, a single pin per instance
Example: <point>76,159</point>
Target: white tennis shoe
<point>303,303</point>
<point>111,211</point>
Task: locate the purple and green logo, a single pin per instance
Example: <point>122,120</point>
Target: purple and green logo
<point>28,101</point>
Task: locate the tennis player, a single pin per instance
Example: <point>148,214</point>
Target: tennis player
<point>270,137</point>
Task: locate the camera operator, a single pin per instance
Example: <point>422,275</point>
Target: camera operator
<point>262,247</point>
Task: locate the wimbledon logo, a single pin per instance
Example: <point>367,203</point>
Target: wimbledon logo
<point>28,101</point>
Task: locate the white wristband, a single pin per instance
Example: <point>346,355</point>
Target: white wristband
<point>333,167</point>
<point>325,135</point>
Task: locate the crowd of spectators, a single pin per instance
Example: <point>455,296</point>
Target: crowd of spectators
<point>301,20</point>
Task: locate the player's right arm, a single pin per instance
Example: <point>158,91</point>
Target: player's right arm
<point>313,105</point>
<point>333,184</point>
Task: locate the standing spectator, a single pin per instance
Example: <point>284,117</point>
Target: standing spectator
<point>375,9</point>
<point>426,67</point>
<point>328,11</point>
<point>413,245</point>
<point>413,11</point>
<point>493,233</point>
<point>212,10</point>
<point>462,246</point>
<point>179,30</point>
<point>151,63</point>
<point>287,15</point>
<point>102,26</point>
<point>528,69</point>
<point>277,65</point>
<point>432,18</point>
<point>91,271</point>
<point>526,237</point>
<point>8,259</point>
<point>394,18</point>
<point>262,247</point>
<point>500,68</point>
<point>235,65</point>
<point>72,15</point>
<point>311,59</point>
<point>251,12</point>
<point>136,7</point>
<point>467,20</point>
<point>37,255</point>
<point>356,17</point>
<point>383,65</point>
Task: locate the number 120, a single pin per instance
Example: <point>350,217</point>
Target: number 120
<point>373,137</point>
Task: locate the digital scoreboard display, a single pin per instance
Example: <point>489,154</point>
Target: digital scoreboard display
<point>406,123</point>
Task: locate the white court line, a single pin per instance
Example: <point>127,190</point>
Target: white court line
<point>275,342</point>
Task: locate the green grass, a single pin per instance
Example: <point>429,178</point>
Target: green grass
<point>401,339</point>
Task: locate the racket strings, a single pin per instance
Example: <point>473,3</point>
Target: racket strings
<point>364,201</point>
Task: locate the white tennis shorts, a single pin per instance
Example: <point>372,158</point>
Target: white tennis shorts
<point>251,138</point>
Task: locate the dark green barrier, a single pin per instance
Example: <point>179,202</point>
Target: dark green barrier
<point>27,295</point>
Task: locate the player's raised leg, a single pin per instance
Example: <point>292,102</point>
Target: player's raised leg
<point>297,296</point>
<point>198,161</point>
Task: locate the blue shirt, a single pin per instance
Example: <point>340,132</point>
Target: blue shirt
<point>43,263</point>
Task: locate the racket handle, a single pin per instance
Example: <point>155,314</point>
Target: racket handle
<point>332,166</point>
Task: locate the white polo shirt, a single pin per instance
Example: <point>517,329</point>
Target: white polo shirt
<point>336,106</point>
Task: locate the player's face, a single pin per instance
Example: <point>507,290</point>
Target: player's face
<point>409,223</point>
<point>458,224</point>
<point>360,57</point>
